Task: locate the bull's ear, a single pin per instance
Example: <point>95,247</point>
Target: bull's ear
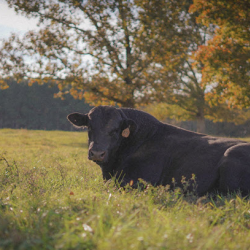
<point>78,119</point>
<point>129,127</point>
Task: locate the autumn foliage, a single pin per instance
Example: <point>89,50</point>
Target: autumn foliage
<point>225,58</point>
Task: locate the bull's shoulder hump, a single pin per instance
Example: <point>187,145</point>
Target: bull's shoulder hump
<point>139,115</point>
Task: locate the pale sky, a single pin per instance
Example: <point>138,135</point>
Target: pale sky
<point>12,22</point>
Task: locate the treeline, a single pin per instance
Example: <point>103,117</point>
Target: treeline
<point>22,106</point>
<point>35,107</point>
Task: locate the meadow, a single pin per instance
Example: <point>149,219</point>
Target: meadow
<point>53,197</point>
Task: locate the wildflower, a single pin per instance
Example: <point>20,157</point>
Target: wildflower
<point>87,228</point>
<point>190,237</point>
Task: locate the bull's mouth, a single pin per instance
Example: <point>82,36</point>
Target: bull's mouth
<point>99,162</point>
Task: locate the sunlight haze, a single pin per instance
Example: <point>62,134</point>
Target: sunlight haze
<point>11,22</point>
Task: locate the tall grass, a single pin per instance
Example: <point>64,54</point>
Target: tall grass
<point>52,197</point>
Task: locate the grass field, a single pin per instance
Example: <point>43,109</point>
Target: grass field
<point>52,197</point>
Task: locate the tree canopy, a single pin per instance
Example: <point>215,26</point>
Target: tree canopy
<point>178,81</point>
<point>225,59</point>
<point>181,83</point>
<point>91,48</point>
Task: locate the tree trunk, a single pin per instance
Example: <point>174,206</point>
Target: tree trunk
<point>129,103</point>
<point>201,127</point>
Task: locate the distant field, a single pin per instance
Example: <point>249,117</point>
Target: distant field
<point>52,197</point>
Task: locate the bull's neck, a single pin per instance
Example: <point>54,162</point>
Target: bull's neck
<point>147,125</point>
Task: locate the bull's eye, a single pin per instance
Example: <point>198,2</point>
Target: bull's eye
<point>113,132</point>
<point>89,129</point>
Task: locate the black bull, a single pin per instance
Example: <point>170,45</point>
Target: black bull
<point>132,144</point>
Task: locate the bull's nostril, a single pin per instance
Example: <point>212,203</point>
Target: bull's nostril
<point>96,155</point>
<point>103,154</point>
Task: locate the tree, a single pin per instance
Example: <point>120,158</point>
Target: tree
<point>178,79</point>
<point>93,49</point>
<point>181,82</point>
<point>225,59</point>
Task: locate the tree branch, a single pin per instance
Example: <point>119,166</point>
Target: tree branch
<point>112,98</point>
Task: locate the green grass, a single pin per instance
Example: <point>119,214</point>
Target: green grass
<point>52,197</point>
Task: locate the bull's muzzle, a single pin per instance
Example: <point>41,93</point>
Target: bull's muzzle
<point>96,155</point>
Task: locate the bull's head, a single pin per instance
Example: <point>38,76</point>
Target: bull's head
<point>107,127</point>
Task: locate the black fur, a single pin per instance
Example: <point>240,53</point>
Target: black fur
<point>158,152</point>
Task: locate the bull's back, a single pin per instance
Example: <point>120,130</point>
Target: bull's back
<point>188,153</point>
<point>168,152</point>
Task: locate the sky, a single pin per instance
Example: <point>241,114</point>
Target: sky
<point>11,22</point>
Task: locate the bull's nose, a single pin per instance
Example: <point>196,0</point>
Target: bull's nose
<point>96,155</point>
